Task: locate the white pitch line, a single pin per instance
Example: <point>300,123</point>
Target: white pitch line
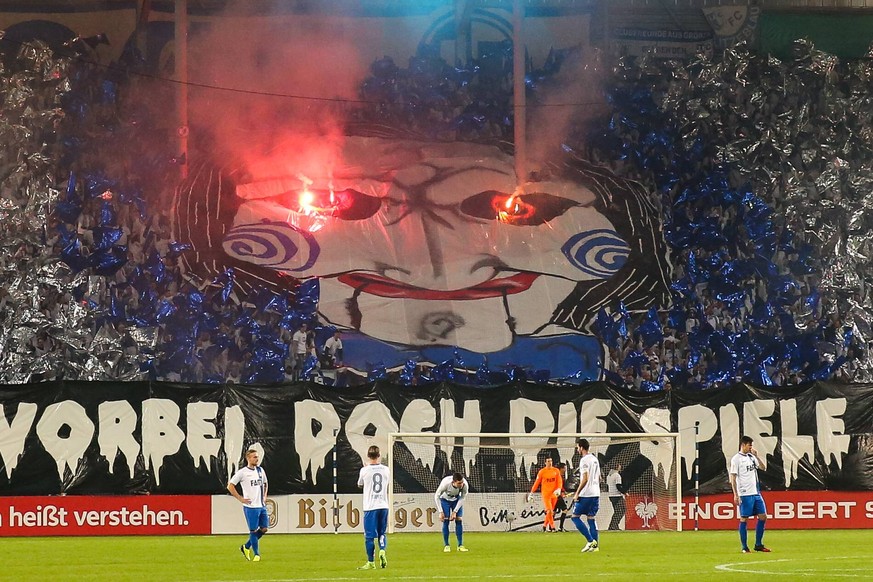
<point>748,568</point>
<point>436,577</point>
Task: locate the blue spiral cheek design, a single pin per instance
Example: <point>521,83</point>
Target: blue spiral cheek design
<point>599,253</point>
<point>276,245</point>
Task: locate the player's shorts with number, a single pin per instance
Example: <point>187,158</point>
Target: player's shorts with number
<point>586,506</point>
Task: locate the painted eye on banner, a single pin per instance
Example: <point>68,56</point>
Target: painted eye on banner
<point>276,245</point>
<point>600,253</point>
<point>521,210</point>
<point>345,204</point>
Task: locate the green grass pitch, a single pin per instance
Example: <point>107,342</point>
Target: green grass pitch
<point>640,557</point>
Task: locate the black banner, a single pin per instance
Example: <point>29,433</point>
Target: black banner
<point>122,438</point>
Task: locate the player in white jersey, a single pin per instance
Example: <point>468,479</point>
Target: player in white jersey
<point>747,493</point>
<point>374,478</point>
<point>449,499</point>
<point>253,481</point>
<point>587,497</point>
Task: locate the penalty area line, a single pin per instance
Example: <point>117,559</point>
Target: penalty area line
<point>750,568</point>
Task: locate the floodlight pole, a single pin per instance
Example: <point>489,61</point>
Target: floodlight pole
<point>181,64</point>
<point>518,95</point>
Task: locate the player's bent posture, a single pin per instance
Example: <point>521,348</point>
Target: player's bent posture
<point>550,482</point>
<point>747,493</point>
<point>253,481</point>
<point>449,499</point>
<point>587,497</point>
<point>374,478</point>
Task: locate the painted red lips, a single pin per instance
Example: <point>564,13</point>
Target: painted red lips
<point>385,287</point>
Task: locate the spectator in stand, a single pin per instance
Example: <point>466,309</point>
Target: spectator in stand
<point>299,348</point>
<point>333,351</point>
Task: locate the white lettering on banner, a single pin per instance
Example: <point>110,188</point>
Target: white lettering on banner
<point>234,438</point>
<point>65,432</point>
<point>704,420</point>
<point>794,445</point>
<point>13,435</point>
<point>53,516</point>
<point>202,443</point>
<point>126,517</point>
<point>117,422</point>
<point>813,509</point>
<point>592,415</point>
<point>567,423</point>
<point>755,426</point>
<point>520,411</point>
<point>357,427</point>
<point>660,452</point>
<point>314,443</point>
<point>781,510</point>
<point>719,510</point>
<point>470,421</point>
<point>43,516</point>
<point>418,415</point>
<point>869,509</point>
<point>830,428</point>
<point>831,440</point>
<point>161,435</point>
<point>729,420</point>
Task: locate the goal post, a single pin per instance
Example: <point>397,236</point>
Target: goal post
<point>502,467</point>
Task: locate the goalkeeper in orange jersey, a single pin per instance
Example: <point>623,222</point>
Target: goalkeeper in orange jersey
<point>551,482</point>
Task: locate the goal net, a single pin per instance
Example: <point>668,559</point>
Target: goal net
<point>501,468</point>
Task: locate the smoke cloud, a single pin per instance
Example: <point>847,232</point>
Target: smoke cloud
<point>263,86</point>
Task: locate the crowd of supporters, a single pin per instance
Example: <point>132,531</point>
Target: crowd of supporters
<point>136,294</point>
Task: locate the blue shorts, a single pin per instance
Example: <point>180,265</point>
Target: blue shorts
<point>256,517</point>
<point>752,505</point>
<point>586,506</point>
<point>449,506</point>
<point>375,523</point>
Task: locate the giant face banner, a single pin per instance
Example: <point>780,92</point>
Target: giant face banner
<point>87,438</point>
<point>423,247</point>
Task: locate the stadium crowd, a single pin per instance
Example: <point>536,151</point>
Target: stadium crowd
<point>753,298</point>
